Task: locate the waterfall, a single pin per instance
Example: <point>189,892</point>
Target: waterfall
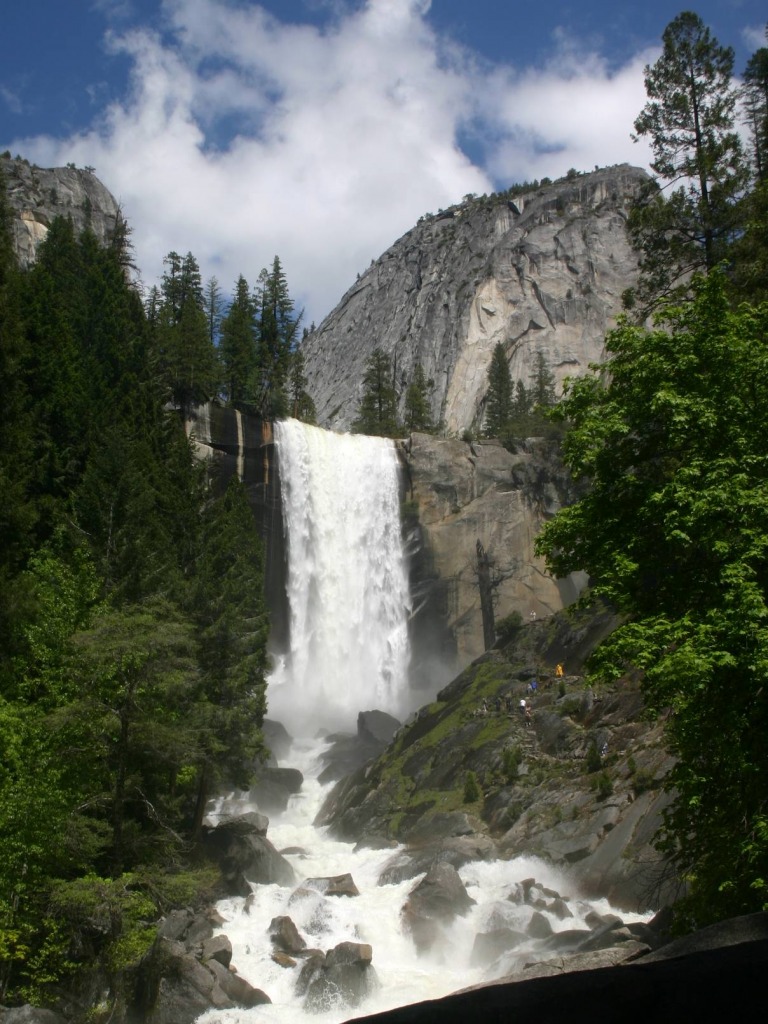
<point>347,580</point>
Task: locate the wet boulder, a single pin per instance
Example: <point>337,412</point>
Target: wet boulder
<point>285,935</point>
<point>246,856</point>
<point>344,975</point>
<point>438,898</point>
<point>333,885</point>
<point>274,787</point>
<point>174,987</point>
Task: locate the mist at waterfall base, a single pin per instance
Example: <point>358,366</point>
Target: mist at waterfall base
<point>349,605</point>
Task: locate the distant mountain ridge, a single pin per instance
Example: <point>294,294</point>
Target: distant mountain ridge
<point>539,270</point>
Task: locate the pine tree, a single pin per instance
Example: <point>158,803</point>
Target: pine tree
<point>238,344</point>
<point>755,93</point>
<point>302,407</point>
<point>187,358</point>
<point>278,336</point>
<point>498,408</point>
<point>689,119</point>
<point>542,392</point>
<point>418,414</point>
<point>377,413</point>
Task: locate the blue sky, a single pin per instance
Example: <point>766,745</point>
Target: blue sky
<point>321,130</point>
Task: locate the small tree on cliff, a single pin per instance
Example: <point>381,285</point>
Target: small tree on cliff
<point>418,415</point>
<point>498,409</point>
<point>377,413</point>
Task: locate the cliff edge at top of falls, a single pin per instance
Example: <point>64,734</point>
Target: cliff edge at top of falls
<point>539,270</point>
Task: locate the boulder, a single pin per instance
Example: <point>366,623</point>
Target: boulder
<point>334,885</point>
<point>218,948</point>
<point>377,726</point>
<point>439,897</point>
<point>274,787</point>
<point>488,946</point>
<point>285,935</point>
<point>174,987</point>
<point>344,975</point>
<point>246,857</point>
<point>277,738</point>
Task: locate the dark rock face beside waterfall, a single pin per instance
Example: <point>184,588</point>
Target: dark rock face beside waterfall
<point>539,272</point>
<point>579,786</point>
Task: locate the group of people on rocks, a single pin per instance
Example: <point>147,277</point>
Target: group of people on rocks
<point>505,703</point>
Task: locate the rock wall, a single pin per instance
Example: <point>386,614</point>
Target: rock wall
<point>37,195</point>
<point>540,272</point>
<point>460,494</point>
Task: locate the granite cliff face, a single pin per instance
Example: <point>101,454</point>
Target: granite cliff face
<point>539,271</point>
<point>37,195</point>
<point>460,494</point>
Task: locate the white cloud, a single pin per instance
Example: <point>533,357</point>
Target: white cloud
<point>344,136</point>
<point>754,37</point>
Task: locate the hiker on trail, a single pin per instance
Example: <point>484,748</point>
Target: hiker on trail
<point>528,718</point>
<point>522,706</point>
<point>559,671</point>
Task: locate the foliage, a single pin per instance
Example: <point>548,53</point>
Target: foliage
<point>673,531</point>
<point>507,627</point>
<point>472,791</point>
<point>132,622</point>
<point>377,413</point>
<point>418,414</point>
<point>689,119</point>
<point>498,406</point>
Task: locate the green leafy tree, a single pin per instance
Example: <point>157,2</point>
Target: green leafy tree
<point>689,120</point>
<point>498,408</point>
<point>377,413</point>
<point>670,434</point>
<point>418,414</point>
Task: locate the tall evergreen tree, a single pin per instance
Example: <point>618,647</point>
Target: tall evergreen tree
<point>498,408</point>
<point>302,407</point>
<point>543,384</point>
<point>238,344</point>
<point>755,93</point>
<point>689,120</point>
<point>418,414</point>
<point>187,358</point>
<point>278,336</point>
<point>377,413</point>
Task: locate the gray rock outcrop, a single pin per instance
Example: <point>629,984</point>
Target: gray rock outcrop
<point>245,855</point>
<point>541,271</point>
<point>37,195</point>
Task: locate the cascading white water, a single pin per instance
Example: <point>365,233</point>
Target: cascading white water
<point>347,580</point>
<point>348,593</point>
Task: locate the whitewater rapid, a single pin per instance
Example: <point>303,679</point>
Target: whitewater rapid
<point>374,917</point>
<point>347,586</point>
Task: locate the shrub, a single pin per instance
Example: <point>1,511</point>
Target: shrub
<point>471,788</point>
<point>508,626</point>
